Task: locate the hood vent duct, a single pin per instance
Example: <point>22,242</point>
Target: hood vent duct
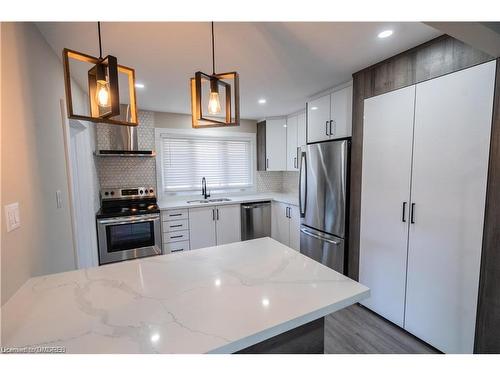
<point>123,142</point>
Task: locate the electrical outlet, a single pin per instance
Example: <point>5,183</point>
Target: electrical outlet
<point>12,216</point>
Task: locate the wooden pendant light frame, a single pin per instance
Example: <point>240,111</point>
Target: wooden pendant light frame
<point>198,119</point>
<point>75,55</point>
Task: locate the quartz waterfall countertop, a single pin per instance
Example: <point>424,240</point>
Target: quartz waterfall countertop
<point>214,300</point>
<point>181,201</point>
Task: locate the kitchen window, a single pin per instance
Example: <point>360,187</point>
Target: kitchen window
<point>226,161</point>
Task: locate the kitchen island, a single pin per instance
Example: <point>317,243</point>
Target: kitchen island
<point>252,296</point>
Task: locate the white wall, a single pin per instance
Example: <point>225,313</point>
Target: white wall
<point>183,121</point>
<point>33,160</point>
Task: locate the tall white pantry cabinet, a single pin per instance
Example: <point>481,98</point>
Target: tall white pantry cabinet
<point>425,163</point>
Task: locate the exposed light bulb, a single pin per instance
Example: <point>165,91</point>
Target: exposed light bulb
<point>102,94</point>
<point>214,103</point>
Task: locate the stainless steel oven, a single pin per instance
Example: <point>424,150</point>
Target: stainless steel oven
<point>128,237</point>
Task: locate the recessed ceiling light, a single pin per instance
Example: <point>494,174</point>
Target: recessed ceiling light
<point>385,34</point>
<point>140,85</point>
<point>262,101</point>
<point>155,337</point>
<point>314,108</point>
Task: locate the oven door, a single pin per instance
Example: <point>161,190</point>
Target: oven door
<point>129,237</point>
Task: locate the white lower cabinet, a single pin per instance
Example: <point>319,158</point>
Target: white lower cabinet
<point>425,164</point>
<point>175,230</point>
<point>294,227</point>
<point>202,227</point>
<point>214,225</point>
<point>285,224</point>
<point>228,224</point>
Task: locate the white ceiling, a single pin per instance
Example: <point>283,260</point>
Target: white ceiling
<point>281,62</point>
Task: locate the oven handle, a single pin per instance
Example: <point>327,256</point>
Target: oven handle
<point>130,219</point>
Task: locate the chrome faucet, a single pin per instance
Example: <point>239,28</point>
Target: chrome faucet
<point>204,188</point>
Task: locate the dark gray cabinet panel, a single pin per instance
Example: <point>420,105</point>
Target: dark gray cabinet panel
<point>261,146</point>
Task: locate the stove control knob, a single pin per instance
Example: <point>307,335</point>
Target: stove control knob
<point>151,191</point>
<point>106,193</point>
<point>141,192</point>
<point>112,192</point>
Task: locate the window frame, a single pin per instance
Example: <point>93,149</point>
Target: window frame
<point>214,134</point>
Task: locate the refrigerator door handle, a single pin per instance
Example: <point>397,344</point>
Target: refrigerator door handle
<point>403,218</point>
<point>302,192</point>
<point>305,231</point>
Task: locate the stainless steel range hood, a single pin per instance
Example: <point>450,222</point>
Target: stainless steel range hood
<point>123,142</point>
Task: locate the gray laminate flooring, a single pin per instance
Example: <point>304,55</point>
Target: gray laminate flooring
<point>356,329</point>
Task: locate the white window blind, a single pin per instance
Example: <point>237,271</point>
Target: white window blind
<point>225,163</point>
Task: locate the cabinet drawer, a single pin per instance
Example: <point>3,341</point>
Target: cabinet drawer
<point>182,235</point>
<point>174,215</point>
<point>172,247</point>
<point>175,225</point>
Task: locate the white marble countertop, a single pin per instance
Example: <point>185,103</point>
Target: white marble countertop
<point>181,201</point>
<point>217,300</point>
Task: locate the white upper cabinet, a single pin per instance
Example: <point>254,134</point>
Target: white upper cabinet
<point>276,156</point>
<point>318,119</point>
<point>341,112</point>
<point>330,116</point>
<point>301,129</point>
<point>291,143</point>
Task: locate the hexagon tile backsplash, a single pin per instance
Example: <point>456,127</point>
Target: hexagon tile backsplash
<point>128,171</point>
<point>139,171</point>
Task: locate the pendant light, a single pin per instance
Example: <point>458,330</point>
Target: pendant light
<point>103,88</point>
<point>214,100</point>
<point>222,110</point>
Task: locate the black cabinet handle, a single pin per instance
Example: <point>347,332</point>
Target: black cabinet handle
<point>326,128</point>
<point>412,219</point>
<point>213,214</point>
<point>331,127</point>
<point>180,236</point>
<point>267,163</point>
<point>217,213</point>
<point>176,226</point>
<point>403,219</point>
<point>174,215</point>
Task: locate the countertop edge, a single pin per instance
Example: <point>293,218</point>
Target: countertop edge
<point>256,338</point>
<point>178,204</point>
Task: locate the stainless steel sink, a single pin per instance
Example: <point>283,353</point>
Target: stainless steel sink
<point>214,200</point>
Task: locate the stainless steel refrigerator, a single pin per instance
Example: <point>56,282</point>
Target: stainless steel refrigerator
<point>323,198</point>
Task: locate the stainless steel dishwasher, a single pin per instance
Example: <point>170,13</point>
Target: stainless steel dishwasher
<point>255,220</point>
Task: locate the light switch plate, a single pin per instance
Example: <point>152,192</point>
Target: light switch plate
<point>12,216</point>
<point>58,199</point>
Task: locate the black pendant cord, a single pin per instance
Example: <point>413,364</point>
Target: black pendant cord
<point>100,44</point>
<point>213,50</point>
